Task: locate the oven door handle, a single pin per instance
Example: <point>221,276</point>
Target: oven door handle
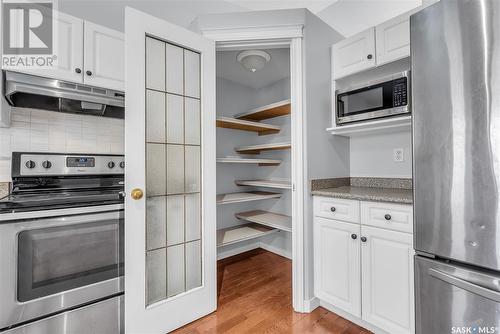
<point>465,285</point>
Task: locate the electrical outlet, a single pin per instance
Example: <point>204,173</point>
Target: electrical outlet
<point>398,155</point>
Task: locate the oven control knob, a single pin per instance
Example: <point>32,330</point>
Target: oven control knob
<point>111,164</point>
<point>30,164</point>
<point>46,164</point>
<point>122,164</point>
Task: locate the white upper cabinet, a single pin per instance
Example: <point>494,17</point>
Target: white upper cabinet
<point>354,54</point>
<point>393,39</point>
<point>84,52</point>
<point>387,279</point>
<point>104,57</point>
<point>376,46</point>
<point>67,48</point>
<point>337,264</point>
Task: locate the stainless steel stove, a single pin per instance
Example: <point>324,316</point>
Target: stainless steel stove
<point>49,181</point>
<point>61,244</point>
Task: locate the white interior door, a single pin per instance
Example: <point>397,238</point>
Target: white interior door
<point>170,250</point>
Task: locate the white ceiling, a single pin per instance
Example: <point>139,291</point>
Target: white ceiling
<point>277,69</point>
<point>314,6</point>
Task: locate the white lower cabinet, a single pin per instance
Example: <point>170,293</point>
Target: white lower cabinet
<point>387,279</point>
<point>337,264</point>
<point>364,270</point>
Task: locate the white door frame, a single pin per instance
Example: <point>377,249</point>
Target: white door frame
<point>269,37</point>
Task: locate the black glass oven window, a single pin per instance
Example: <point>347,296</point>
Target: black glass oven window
<point>55,259</point>
<point>363,100</point>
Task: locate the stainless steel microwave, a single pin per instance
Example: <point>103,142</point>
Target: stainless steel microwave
<point>385,97</point>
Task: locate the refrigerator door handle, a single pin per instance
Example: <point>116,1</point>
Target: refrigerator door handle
<point>466,285</point>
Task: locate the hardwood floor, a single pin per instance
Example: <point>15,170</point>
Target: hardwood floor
<point>255,296</point>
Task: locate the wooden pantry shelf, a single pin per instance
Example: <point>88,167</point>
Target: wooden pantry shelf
<point>270,219</point>
<point>256,149</point>
<point>280,108</point>
<point>239,124</point>
<point>246,197</point>
<point>278,184</point>
<point>260,162</point>
<point>232,235</point>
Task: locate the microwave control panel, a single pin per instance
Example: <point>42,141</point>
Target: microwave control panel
<point>399,92</point>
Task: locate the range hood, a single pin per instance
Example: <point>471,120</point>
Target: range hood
<point>30,91</point>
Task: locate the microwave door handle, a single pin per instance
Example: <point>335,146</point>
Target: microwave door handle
<point>465,285</point>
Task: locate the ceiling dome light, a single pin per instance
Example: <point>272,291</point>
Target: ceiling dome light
<point>253,60</point>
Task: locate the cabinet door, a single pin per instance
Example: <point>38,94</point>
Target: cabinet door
<point>337,264</point>
<point>104,57</point>
<point>387,279</point>
<point>354,54</point>
<point>393,39</point>
<point>68,50</point>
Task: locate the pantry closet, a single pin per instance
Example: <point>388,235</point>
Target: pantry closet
<point>254,202</point>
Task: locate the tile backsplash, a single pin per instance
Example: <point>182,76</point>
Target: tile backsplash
<point>35,130</point>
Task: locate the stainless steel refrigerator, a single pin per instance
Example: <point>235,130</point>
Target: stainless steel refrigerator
<point>455,55</point>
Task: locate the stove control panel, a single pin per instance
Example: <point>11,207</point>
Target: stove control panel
<point>41,164</point>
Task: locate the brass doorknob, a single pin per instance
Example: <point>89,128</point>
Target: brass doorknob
<point>137,194</point>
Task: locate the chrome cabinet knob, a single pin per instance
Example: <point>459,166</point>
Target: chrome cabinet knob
<point>369,57</point>
<point>387,217</point>
<point>333,209</point>
<point>354,236</point>
<point>363,239</point>
<point>78,70</point>
<point>89,73</point>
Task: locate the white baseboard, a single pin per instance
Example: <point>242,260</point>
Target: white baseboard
<point>311,304</point>
<point>237,250</point>
<point>358,321</point>
<point>275,250</point>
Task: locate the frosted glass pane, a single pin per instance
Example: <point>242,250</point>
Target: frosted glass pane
<point>175,219</point>
<point>175,64</point>
<point>193,170</point>
<point>155,64</point>
<point>192,121</point>
<point>193,265</point>
<point>156,222</point>
<point>175,119</point>
<point>156,285</point>
<point>192,73</point>
<point>193,217</point>
<point>175,169</point>
<point>175,270</point>
<point>155,116</point>
<point>155,174</point>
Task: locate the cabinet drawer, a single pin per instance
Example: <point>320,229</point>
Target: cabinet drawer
<point>397,217</point>
<point>335,208</point>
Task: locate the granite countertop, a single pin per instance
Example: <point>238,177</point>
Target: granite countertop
<point>365,189</point>
<point>403,196</point>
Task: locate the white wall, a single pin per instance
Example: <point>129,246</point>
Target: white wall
<point>47,131</point>
<point>372,156</point>
<point>111,13</point>
<point>349,17</point>
<point>327,155</point>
